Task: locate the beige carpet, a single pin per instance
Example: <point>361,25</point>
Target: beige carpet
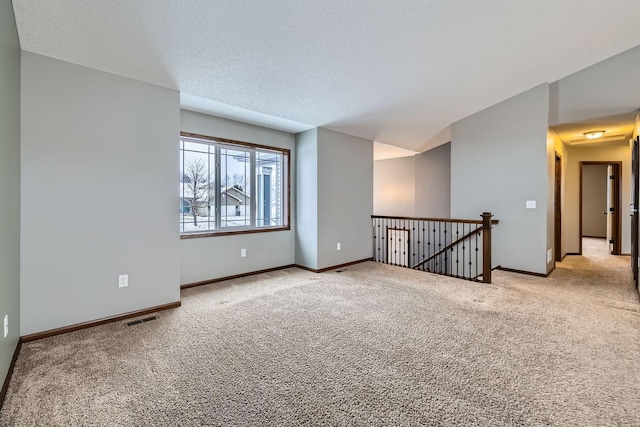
<point>372,345</point>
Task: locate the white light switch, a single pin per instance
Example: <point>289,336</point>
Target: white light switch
<point>531,204</point>
<point>6,325</point>
<point>338,246</point>
<point>243,253</point>
<point>123,280</point>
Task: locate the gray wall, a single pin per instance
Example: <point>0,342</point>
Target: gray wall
<point>594,200</point>
<point>345,198</point>
<point>100,152</point>
<point>394,186</point>
<point>603,89</point>
<point>337,171</point>
<point>214,257</point>
<point>433,182</point>
<point>9,185</point>
<point>307,199</point>
<point>498,162</point>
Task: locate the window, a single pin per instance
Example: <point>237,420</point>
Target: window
<point>231,187</point>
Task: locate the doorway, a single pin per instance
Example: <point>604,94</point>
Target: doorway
<point>600,203</point>
<point>558,209</point>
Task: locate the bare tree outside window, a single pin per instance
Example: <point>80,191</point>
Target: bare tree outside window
<point>197,186</point>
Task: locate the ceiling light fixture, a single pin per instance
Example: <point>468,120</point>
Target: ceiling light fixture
<point>594,134</point>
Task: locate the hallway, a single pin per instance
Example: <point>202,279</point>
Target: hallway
<point>597,273</point>
<point>592,282</point>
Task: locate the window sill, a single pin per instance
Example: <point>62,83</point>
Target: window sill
<point>187,236</point>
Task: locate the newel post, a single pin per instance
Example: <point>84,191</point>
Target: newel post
<point>486,246</point>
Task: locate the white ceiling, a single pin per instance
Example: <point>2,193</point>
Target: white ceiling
<point>398,72</point>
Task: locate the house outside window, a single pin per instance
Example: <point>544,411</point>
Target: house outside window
<point>229,187</point>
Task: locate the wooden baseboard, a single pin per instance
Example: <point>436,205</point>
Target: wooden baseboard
<point>76,327</point>
<point>571,253</point>
<point>84,325</point>
<point>235,276</point>
<point>12,365</point>
<point>322,270</point>
<point>528,273</point>
<point>268,270</point>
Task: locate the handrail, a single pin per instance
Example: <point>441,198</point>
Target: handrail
<point>426,244</point>
<point>446,248</point>
<point>415,218</point>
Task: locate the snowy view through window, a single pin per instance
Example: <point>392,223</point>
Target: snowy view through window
<point>228,187</point>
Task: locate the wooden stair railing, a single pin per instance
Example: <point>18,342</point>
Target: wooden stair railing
<point>395,243</point>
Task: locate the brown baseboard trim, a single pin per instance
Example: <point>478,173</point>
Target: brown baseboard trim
<point>268,270</point>
<point>302,267</point>
<point>84,325</point>
<point>513,270</point>
<point>624,254</point>
<point>571,253</point>
<point>594,237</point>
<point>5,385</point>
<point>322,270</point>
<point>235,276</point>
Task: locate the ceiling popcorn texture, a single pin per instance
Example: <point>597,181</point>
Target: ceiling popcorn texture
<point>396,72</point>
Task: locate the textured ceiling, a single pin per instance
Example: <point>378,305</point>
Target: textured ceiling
<point>398,72</point>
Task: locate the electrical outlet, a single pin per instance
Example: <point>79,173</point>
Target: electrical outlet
<point>549,255</point>
<point>243,253</point>
<point>123,280</point>
<point>338,246</point>
<point>6,325</point>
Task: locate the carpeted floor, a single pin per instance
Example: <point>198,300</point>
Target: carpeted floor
<point>371,345</point>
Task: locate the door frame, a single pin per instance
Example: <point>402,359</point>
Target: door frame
<point>557,200</point>
<point>635,193</point>
<point>617,167</point>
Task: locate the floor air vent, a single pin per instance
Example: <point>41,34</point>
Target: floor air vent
<point>146,319</point>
